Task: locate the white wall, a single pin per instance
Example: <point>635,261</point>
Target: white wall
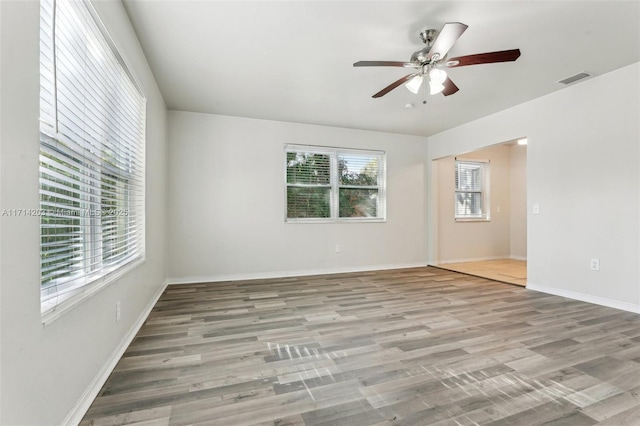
<point>583,163</point>
<point>228,202</point>
<point>46,369</point>
<point>518,202</point>
<point>475,240</point>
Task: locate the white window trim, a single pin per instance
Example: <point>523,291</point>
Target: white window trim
<point>52,311</point>
<point>486,191</point>
<point>334,152</point>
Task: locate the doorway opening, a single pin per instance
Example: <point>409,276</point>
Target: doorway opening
<point>481,212</point>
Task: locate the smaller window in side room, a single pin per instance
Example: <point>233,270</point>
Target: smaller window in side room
<point>332,184</point>
<point>472,190</point>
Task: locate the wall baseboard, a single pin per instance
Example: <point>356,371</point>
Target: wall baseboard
<point>82,406</point>
<point>596,300</point>
<point>285,274</point>
<point>518,258</point>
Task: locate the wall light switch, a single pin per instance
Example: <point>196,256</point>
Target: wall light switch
<point>536,209</point>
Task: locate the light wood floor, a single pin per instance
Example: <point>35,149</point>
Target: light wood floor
<point>419,346</point>
<point>505,270</point>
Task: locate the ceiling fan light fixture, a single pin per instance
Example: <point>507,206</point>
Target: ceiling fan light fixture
<point>436,79</point>
<point>437,76</point>
<point>435,88</point>
<point>414,84</point>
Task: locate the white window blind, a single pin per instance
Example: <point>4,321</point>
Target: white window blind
<point>325,184</point>
<point>91,154</point>
<point>472,190</point>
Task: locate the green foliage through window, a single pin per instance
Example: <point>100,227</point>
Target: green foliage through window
<point>324,183</point>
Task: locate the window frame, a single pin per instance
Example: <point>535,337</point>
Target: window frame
<point>485,191</point>
<point>111,240</point>
<point>334,186</point>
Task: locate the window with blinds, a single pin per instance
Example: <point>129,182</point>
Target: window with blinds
<point>92,132</point>
<point>472,190</point>
<point>326,184</point>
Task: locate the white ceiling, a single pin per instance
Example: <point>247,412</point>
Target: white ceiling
<point>293,60</point>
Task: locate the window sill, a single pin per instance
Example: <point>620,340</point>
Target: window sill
<point>472,219</point>
<point>344,220</point>
<point>70,301</point>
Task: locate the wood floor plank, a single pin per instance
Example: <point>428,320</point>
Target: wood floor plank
<point>510,271</point>
<point>400,347</point>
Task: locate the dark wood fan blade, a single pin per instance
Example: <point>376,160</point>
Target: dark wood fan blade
<point>394,85</point>
<point>484,58</point>
<point>449,87</point>
<point>449,34</point>
<point>383,64</point>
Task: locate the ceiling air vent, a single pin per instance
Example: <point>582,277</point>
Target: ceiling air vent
<point>574,78</point>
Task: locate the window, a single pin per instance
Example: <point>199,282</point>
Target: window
<point>91,155</point>
<point>472,190</point>
<point>329,184</point>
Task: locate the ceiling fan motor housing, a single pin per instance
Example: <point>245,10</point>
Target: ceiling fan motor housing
<point>421,57</point>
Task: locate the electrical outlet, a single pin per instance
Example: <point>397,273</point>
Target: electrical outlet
<point>118,311</point>
<point>337,248</point>
<point>595,264</point>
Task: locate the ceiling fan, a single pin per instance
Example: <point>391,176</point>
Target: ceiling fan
<point>429,60</point>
